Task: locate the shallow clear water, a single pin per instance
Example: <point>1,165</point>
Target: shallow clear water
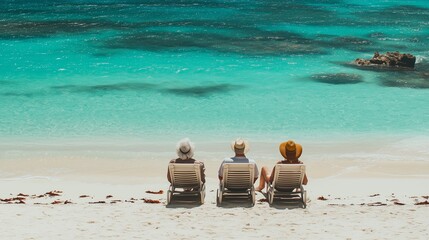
<point>213,68</point>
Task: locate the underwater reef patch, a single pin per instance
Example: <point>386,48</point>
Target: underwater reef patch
<point>202,91</point>
<point>337,78</point>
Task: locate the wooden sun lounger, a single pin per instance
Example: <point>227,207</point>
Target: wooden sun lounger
<point>287,184</point>
<point>237,180</point>
<point>185,180</point>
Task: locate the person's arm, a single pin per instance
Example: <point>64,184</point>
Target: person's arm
<point>305,180</point>
<point>272,174</point>
<point>168,171</point>
<point>203,174</point>
<point>168,175</point>
<point>220,172</point>
<point>256,174</point>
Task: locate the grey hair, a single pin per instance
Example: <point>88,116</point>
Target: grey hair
<point>185,149</point>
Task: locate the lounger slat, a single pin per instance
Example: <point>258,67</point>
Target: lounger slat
<point>183,178</point>
<point>184,182</point>
<point>238,186</point>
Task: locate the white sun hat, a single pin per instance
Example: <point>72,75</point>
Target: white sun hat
<point>185,149</point>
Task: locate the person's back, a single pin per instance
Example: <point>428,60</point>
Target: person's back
<point>238,159</point>
<point>185,151</point>
<point>240,147</point>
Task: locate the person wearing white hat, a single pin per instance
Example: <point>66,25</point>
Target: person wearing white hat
<point>185,152</point>
<point>240,147</point>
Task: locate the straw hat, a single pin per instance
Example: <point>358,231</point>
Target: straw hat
<point>185,149</point>
<point>290,146</point>
<point>240,145</point>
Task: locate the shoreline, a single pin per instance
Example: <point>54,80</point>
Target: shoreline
<point>85,154</point>
<point>378,157</point>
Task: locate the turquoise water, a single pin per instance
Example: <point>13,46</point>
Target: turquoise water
<point>214,68</point>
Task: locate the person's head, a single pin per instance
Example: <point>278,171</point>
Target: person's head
<point>290,150</point>
<point>240,147</point>
<point>185,149</point>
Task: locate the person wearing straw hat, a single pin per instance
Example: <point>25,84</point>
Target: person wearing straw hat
<point>240,148</point>
<point>185,152</point>
<point>291,152</point>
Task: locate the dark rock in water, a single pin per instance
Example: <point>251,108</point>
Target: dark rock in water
<point>389,59</point>
<point>399,77</point>
<point>338,78</point>
<point>375,67</point>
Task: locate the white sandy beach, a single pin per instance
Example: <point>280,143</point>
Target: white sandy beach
<point>365,185</point>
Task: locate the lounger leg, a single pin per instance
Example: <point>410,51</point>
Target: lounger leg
<point>304,199</point>
<point>253,195</point>
<point>202,194</point>
<point>270,195</point>
<point>219,198</point>
<point>169,196</point>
